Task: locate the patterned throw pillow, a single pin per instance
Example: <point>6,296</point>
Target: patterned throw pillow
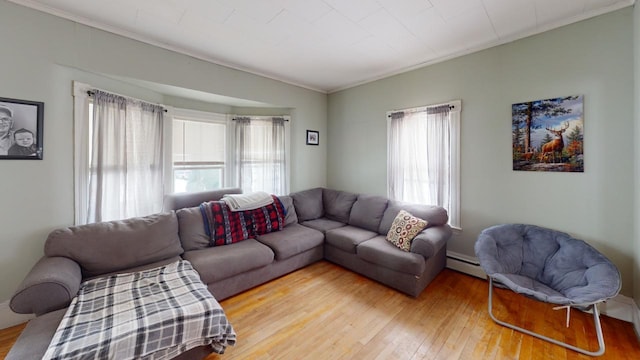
<point>404,228</point>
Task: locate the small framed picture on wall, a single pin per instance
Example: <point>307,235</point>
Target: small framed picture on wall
<point>21,130</point>
<point>313,137</point>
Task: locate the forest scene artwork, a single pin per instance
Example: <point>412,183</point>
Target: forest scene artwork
<point>548,135</point>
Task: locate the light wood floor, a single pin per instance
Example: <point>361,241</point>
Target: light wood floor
<point>326,312</point>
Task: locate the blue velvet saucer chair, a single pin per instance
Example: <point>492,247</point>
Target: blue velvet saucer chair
<point>549,266</point>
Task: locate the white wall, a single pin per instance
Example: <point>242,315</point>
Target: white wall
<point>42,55</point>
<point>593,58</point>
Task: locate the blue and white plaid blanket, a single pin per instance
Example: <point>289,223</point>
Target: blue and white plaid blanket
<point>152,314</point>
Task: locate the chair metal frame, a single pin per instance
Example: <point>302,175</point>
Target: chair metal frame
<point>596,320</point>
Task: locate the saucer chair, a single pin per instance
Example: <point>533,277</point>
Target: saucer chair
<point>549,266</point>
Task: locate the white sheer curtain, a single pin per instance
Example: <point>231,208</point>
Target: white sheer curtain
<point>421,157</point>
<point>261,159</point>
<point>125,159</point>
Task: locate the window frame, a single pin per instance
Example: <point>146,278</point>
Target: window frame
<point>81,101</point>
<point>197,116</point>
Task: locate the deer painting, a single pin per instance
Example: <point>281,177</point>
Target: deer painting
<point>556,145</point>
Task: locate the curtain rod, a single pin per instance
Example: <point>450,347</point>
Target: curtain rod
<point>451,104</point>
<point>91,93</point>
<point>284,117</point>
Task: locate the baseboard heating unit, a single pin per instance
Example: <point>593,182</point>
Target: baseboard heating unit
<point>465,264</point>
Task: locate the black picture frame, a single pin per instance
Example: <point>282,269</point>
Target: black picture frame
<point>21,118</point>
<point>313,137</point>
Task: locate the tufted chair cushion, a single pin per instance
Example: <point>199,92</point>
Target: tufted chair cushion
<point>546,264</point>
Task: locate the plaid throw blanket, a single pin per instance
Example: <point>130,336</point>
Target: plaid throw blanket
<point>227,227</point>
<point>152,314</point>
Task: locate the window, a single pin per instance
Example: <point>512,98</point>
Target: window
<point>423,156</point>
<point>199,151</point>
<point>128,154</point>
<point>261,149</point>
<point>118,160</point>
<point>213,151</point>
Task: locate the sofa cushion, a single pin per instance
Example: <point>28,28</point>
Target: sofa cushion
<point>348,237</point>
<point>434,215</point>
<point>292,240</point>
<point>337,204</point>
<point>323,224</point>
<point>221,262</point>
<point>191,229</point>
<point>381,252</point>
<point>111,246</point>
<point>291,216</point>
<point>308,204</point>
<point>367,212</point>
<point>403,229</point>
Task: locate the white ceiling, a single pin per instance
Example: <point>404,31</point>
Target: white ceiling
<point>326,45</point>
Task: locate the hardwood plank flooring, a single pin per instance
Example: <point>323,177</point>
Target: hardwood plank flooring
<point>326,312</point>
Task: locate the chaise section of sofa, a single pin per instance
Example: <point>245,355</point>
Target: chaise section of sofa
<point>78,253</point>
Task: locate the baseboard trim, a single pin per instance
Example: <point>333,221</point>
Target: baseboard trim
<point>636,319</point>
<point>8,318</point>
<point>465,264</point>
<point>620,307</point>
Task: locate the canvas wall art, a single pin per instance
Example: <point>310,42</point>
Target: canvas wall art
<point>547,135</point>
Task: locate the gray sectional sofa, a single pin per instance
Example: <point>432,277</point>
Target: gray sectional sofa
<point>345,228</point>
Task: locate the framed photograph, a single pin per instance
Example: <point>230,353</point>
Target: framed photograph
<point>547,135</point>
<point>313,137</point>
<point>21,130</point>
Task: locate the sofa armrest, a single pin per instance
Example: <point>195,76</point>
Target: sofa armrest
<point>50,285</point>
<point>430,240</point>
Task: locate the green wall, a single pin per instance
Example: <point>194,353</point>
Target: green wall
<point>43,54</point>
<point>636,218</point>
<point>593,58</point>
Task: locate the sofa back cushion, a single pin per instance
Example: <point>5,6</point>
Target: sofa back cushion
<point>191,229</point>
<point>337,204</point>
<point>112,246</point>
<point>434,215</point>
<point>367,212</point>
<point>185,200</point>
<point>292,216</point>
<point>308,204</point>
